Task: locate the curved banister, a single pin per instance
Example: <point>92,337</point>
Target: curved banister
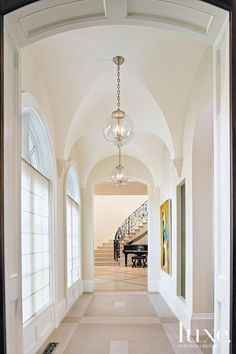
<point>128,225</point>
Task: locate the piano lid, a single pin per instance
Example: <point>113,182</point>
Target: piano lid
<point>136,247</point>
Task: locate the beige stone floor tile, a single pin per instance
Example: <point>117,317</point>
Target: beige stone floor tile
<point>119,276</point>
<point>128,293</point>
<point>103,271</point>
<point>61,335</point>
<point>78,309</point>
<point>138,280</point>
<point>136,305</point>
<point>169,320</point>
<point>119,286</point>
<point>101,280</point>
<point>161,308</point>
<point>116,278</point>
<point>120,269</point>
<point>69,319</point>
<point>145,339</point>
<point>172,332</point>
<point>121,319</point>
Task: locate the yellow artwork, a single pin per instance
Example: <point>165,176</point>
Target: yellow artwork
<point>165,234</point>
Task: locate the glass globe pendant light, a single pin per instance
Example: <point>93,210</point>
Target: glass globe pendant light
<point>118,129</point>
<point>118,174</point>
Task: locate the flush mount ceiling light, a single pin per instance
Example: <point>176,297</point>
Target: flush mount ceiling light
<point>118,174</point>
<point>118,129</point>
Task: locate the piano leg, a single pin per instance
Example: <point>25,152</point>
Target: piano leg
<point>126,259</point>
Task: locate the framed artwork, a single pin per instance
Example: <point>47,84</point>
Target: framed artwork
<point>165,235</point>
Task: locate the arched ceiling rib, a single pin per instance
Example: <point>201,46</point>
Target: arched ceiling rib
<point>147,148</point>
<point>48,17</point>
<point>100,102</point>
<point>136,170</point>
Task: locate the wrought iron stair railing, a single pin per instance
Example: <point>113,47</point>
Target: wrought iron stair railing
<point>123,232</point>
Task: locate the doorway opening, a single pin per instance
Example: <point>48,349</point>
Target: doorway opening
<point>120,237</point>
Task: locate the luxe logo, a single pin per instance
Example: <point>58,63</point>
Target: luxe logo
<point>221,336</point>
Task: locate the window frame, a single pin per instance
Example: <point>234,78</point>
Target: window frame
<point>77,201</point>
<point>48,177</point>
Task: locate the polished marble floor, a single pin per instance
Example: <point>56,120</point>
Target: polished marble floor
<point>120,278</point>
<point>120,323</point>
<point>121,317</point>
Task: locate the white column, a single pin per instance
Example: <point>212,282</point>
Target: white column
<point>87,239</point>
<point>60,251</point>
<point>153,239</point>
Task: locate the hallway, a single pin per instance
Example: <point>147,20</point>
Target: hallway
<point>120,323</point>
<point>116,133</point>
<point>116,278</point>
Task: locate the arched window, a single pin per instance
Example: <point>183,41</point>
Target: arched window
<point>73,227</point>
<point>36,219</point>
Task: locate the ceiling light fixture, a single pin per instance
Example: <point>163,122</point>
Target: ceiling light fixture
<point>118,174</point>
<point>118,129</point>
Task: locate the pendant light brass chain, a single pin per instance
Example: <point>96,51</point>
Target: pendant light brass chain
<point>119,156</point>
<point>118,86</point>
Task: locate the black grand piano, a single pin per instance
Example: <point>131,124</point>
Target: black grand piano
<point>138,250</point>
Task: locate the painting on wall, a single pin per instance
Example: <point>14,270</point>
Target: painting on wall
<point>165,234</point>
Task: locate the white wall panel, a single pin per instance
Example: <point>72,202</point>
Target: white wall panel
<point>12,196</point>
<point>222,192</point>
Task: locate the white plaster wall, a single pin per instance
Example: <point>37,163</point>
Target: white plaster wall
<point>200,105</point>
<point>110,212</point>
<point>200,99</point>
<point>33,82</point>
<point>203,284</point>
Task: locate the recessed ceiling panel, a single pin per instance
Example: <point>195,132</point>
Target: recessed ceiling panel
<point>52,17</point>
<point>180,15</point>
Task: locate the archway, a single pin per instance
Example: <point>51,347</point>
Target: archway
<point>136,171</point>
<point>120,224</point>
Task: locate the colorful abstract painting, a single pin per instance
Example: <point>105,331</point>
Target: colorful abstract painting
<point>165,234</point>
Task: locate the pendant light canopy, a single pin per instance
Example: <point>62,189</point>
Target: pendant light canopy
<point>118,129</point>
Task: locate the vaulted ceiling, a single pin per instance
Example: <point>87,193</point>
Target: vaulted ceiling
<point>161,61</point>
<point>156,80</point>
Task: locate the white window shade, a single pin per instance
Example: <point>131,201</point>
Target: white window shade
<point>36,268</point>
<point>73,233</point>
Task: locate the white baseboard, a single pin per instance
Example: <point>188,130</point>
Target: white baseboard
<point>60,311</point>
<point>87,286</point>
<point>38,330</point>
<point>153,286</point>
<point>177,306</point>
<point>190,321</point>
<point>202,321</point>
<point>73,294</point>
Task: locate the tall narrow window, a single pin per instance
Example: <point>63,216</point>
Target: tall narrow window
<point>73,227</point>
<point>181,234</point>
<point>36,220</point>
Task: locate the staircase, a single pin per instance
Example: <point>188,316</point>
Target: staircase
<point>104,254</point>
<point>137,233</point>
<point>133,229</point>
